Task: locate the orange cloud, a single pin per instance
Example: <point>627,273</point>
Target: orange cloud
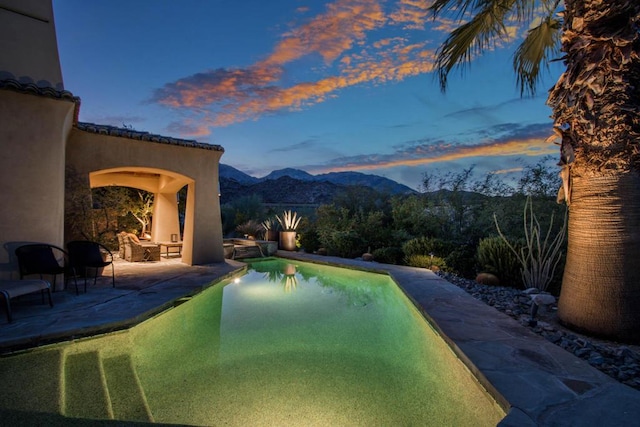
<point>331,33</point>
<point>190,128</point>
<point>525,147</point>
<point>393,64</point>
<point>241,94</point>
<point>412,14</point>
<point>506,171</point>
<point>339,36</point>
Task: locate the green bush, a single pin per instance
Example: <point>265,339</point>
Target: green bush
<point>425,246</point>
<point>495,257</point>
<point>425,261</point>
<point>462,261</point>
<point>388,255</point>
<point>344,244</point>
<point>309,240</point>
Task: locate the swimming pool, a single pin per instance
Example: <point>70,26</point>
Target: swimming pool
<point>288,343</point>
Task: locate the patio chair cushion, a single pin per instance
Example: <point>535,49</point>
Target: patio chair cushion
<point>14,288</point>
<point>133,237</point>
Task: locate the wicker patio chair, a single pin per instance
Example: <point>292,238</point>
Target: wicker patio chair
<point>135,251</point>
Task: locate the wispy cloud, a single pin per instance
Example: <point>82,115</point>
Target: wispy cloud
<point>411,14</point>
<point>518,141</point>
<point>123,120</point>
<point>484,109</point>
<point>506,171</point>
<point>190,128</point>
<point>346,38</point>
<point>343,36</point>
<point>303,145</point>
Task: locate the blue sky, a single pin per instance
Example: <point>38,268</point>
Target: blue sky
<point>321,86</point>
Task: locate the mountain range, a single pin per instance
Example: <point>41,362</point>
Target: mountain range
<point>297,186</point>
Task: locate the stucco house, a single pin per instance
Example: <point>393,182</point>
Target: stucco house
<point>41,139</point>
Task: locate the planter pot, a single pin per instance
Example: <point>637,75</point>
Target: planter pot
<point>288,240</point>
<point>289,270</point>
<point>271,235</point>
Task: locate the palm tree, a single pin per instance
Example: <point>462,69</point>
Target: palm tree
<point>596,116</point>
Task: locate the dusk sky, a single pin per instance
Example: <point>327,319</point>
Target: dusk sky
<point>322,86</point>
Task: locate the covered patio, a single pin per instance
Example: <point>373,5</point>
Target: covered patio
<point>101,155</point>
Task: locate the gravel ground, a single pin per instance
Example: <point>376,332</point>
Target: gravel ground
<point>619,361</point>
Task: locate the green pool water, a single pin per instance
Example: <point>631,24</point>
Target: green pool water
<point>285,344</point>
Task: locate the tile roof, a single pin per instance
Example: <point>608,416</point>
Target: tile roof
<point>49,92</point>
<point>144,136</point>
<point>34,89</point>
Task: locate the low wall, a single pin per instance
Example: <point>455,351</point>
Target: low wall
<point>268,247</point>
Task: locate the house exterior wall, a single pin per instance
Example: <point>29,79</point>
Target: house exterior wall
<point>38,140</point>
<point>33,131</point>
<point>28,43</point>
<point>89,152</point>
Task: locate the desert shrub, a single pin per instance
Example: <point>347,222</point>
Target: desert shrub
<point>250,228</point>
<point>425,246</point>
<point>556,282</point>
<point>495,257</point>
<point>462,260</point>
<point>309,240</point>
<point>425,261</point>
<point>541,252</point>
<point>388,255</point>
<point>345,244</point>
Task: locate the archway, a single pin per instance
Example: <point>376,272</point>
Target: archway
<point>112,156</point>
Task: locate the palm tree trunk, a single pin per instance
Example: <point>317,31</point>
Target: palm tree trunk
<point>596,109</point>
<point>601,284</point>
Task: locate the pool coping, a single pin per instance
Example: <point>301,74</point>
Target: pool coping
<point>535,382</point>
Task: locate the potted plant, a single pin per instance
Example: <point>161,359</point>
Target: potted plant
<point>270,226</point>
<point>250,229</point>
<point>289,222</point>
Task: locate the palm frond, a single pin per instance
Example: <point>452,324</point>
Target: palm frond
<point>459,7</point>
<point>482,32</point>
<point>540,45</point>
<point>488,26</point>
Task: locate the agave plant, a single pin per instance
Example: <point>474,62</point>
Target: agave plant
<point>271,224</point>
<point>289,221</point>
<point>267,224</point>
<point>250,228</point>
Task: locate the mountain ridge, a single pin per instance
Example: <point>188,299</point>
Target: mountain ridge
<point>375,182</point>
<point>294,187</point>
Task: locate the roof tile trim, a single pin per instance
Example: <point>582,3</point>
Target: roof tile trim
<point>144,136</point>
<point>33,89</point>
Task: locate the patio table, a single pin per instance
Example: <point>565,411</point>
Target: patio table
<point>168,245</point>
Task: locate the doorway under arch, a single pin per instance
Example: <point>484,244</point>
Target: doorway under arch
<point>163,184</point>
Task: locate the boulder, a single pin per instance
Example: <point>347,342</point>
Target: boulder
<point>488,279</point>
<point>367,256</point>
<point>543,299</point>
